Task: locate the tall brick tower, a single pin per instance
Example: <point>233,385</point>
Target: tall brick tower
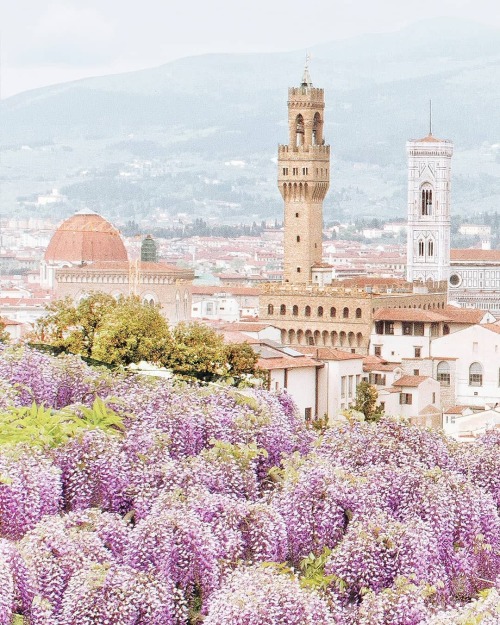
<point>303,180</point>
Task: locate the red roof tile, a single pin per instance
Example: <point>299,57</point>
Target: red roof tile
<point>410,380</point>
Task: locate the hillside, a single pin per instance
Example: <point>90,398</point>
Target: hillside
<point>199,135</point>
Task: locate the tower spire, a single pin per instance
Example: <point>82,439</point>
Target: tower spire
<point>306,77</point>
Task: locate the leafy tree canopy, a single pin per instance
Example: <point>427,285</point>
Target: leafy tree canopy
<point>366,401</point>
<point>127,331</point>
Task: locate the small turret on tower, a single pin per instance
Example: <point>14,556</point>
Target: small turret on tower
<point>303,179</point>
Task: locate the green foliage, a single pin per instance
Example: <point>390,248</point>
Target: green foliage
<point>38,426</point>
<point>197,351</point>
<point>366,401</point>
<point>131,332</point>
<point>72,328</point>
<point>313,571</point>
<point>4,335</point>
<point>243,454</point>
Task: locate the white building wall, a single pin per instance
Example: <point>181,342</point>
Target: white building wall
<point>476,344</point>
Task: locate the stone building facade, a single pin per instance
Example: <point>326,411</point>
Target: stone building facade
<point>337,315</point>
<point>303,180</point>
<point>154,283</point>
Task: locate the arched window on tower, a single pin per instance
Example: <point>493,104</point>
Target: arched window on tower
<point>430,248</point>
<point>299,130</point>
<point>317,131</point>
<point>426,199</point>
<point>421,249</point>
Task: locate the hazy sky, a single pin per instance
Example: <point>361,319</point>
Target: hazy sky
<point>45,42</point>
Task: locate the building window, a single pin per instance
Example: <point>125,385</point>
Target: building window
<point>295,311</point>
<point>418,352</point>
<point>285,171</point>
<point>426,201</point>
<point>295,171</point>
<point>433,398</point>
<point>351,384</point>
<point>342,385</point>
<point>430,248</point>
<point>443,373</point>
<point>307,311</point>
<point>421,248</point>
<point>416,371</point>
<point>345,313</point>
<point>434,329</point>
<point>333,311</point>
<point>305,171</point>
<point>298,269</point>
<point>270,309</point>
<point>296,214</point>
<point>298,239</point>
<point>378,379</point>
<point>379,327</point>
<point>446,329</point>
<point>358,313</point>
<point>377,350</point>
<point>282,309</point>
<point>388,327</point>
<point>476,374</point>
<point>308,414</point>
<point>320,311</point>
<point>405,398</point>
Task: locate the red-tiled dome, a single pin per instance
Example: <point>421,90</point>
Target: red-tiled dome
<point>86,237</point>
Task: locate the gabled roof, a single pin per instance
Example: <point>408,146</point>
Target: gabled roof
<point>411,380</point>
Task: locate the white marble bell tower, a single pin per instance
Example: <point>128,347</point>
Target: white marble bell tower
<point>429,185</point>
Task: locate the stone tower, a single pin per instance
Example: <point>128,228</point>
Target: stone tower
<point>429,182</point>
<point>303,180</point>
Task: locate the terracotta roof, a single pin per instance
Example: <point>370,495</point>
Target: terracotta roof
<point>287,362</point>
<point>464,315</point>
<point>430,138</point>
<point>410,380</point>
<point>372,359</point>
<point>246,327</point>
<point>455,410</point>
<point>474,255</point>
<point>85,237</point>
<point>408,314</point>
<point>237,337</point>
<point>327,353</point>
<point>389,366</point>
<point>491,326</point>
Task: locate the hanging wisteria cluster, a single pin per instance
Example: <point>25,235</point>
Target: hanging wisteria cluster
<point>177,505</point>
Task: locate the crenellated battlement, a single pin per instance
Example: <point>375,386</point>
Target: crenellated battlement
<point>306,94</point>
<point>289,151</point>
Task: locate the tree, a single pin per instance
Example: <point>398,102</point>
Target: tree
<point>72,328</point>
<point>366,401</point>
<point>197,351</point>
<point>100,327</point>
<point>4,335</point>
<point>131,332</point>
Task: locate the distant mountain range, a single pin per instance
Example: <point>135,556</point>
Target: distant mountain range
<point>209,125</point>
